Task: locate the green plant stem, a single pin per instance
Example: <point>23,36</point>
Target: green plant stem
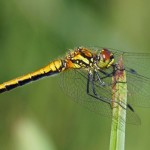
<point>117,138</point>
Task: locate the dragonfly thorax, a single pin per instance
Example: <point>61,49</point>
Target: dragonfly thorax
<point>105,59</point>
<point>80,58</point>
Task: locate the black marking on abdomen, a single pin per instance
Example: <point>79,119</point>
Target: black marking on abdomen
<point>36,77</point>
<point>51,73</point>
<point>3,90</point>
<point>30,77</point>
<point>25,81</point>
<point>9,87</point>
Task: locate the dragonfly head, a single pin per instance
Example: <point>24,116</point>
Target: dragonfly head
<point>106,58</point>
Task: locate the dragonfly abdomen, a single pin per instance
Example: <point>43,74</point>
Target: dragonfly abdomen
<point>51,69</point>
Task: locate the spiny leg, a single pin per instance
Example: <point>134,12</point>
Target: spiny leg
<point>94,95</point>
<point>91,79</point>
<point>102,83</point>
<point>114,69</point>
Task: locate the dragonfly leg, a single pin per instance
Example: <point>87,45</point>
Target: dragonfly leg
<point>91,79</point>
<point>102,83</point>
<point>115,68</point>
<point>101,78</point>
<point>106,74</point>
<point>88,83</point>
<point>94,95</point>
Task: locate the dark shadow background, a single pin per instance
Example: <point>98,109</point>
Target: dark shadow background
<point>33,33</point>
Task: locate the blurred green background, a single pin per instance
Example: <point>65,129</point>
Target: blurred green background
<point>40,116</point>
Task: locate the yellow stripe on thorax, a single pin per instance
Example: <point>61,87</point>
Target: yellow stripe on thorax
<point>79,59</point>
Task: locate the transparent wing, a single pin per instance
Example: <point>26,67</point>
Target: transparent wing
<point>136,61</point>
<point>137,66</point>
<point>74,83</point>
<point>138,77</point>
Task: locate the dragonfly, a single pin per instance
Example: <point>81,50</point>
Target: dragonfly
<point>86,75</point>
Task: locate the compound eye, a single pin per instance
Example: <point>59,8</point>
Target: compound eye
<point>106,59</point>
<point>106,54</point>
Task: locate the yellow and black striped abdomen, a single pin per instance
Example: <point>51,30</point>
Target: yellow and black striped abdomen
<point>77,59</point>
<point>51,69</point>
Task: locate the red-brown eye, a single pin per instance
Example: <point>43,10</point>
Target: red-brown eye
<point>106,54</point>
<point>106,59</point>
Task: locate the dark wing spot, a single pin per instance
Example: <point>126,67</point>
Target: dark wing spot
<point>133,71</point>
